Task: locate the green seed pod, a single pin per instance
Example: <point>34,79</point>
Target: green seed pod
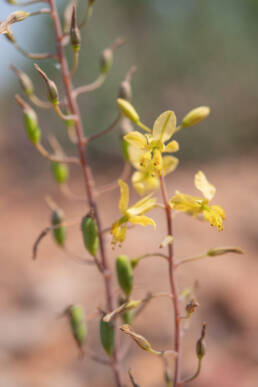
<point>125,91</point>
<point>78,324</point>
<point>124,273</point>
<point>25,81</point>
<point>90,234</point>
<point>128,110</point>
<point>59,233</point>
<point>127,316</point>
<point>200,349</point>
<point>60,172</point>
<point>107,336</point>
<point>106,60</point>
<point>31,125</point>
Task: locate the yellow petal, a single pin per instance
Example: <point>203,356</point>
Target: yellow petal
<point>119,232</point>
<point>164,126</point>
<point>142,220</point>
<point>142,206</point>
<point>136,139</point>
<point>144,183</point>
<point>214,215</point>
<point>124,196</point>
<point>201,183</point>
<point>172,147</point>
<point>169,164</point>
<point>186,203</point>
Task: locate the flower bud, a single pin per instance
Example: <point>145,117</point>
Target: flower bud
<point>124,273</point>
<point>78,324</point>
<point>128,110</point>
<point>107,336</point>
<point>106,60</point>
<point>195,116</point>
<point>52,91</point>
<point>224,250</point>
<point>125,91</point>
<point>75,35</point>
<point>139,339</point>
<point>25,81</point>
<point>90,234</point>
<point>60,172</point>
<point>59,231</point>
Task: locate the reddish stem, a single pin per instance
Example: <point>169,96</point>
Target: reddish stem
<point>177,319</point>
<point>88,179</point>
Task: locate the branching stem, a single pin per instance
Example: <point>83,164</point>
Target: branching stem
<point>177,319</point>
<point>88,179</point>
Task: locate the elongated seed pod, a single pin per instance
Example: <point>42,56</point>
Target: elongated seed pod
<point>107,336</point>
<point>78,324</point>
<point>59,231</point>
<point>31,126</point>
<point>90,234</point>
<point>124,274</point>
<point>60,172</point>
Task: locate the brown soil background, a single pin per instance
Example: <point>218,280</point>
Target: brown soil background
<point>36,347</point>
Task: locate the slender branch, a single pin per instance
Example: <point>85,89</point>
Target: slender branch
<point>38,102</point>
<point>25,3</point>
<point>65,117</point>
<point>176,305</point>
<point>197,373</point>
<point>87,175</point>
<point>113,185</point>
<point>91,86</point>
<point>33,55</point>
<point>75,62</point>
<point>105,131</point>
<point>58,159</point>
<point>192,259</point>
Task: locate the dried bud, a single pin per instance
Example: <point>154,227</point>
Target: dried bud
<point>200,345</point>
<point>125,91</point>
<point>140,340</point>
<point>107,336</point>
<point>25,81</point>
<point>126,306</point>
<point>195,116</point>
<point>60,172</point>
<point>191,306</point>
<point>30,121</point>
<point>124,273</point>
<point>51,86</point>
<point>90,234</point>
<point>128,110</point>
<point>59,231</point>
<point>106,60</point>
<point>10,36</point>
<point>224,250</point>
<point>78,324</point>
<point>75,35</point>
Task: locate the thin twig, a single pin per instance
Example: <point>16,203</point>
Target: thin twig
<point>105,131</point>
<point>111,186</point>
<point>58,159</point>
<point>91,86</point>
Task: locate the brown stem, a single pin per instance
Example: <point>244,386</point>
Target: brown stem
<point>177,344</point>
<point>88,180</point>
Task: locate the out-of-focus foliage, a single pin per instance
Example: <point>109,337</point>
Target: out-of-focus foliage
<point>188,53</point>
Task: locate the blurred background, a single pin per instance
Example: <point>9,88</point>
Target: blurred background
<point>188,53</point>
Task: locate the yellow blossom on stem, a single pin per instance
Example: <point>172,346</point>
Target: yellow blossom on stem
<point>133,214</point>
<point>146,153</point>
<point>194,206</point>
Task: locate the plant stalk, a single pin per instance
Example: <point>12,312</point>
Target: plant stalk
<point>175,300</point>
<point>87,175</point>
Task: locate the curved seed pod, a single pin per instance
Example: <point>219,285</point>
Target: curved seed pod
<point>60,172</point>
<point>59,231</point>
<point>107,336</point>
<point>106,60</point>
<point>78,324</point>
<point>124,273</point>
<point>90,234</point>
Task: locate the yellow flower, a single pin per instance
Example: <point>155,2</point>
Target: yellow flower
<point>145,153</point>
<point>133,214</point>
<point>146,179</point>
<point>194,205</point>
